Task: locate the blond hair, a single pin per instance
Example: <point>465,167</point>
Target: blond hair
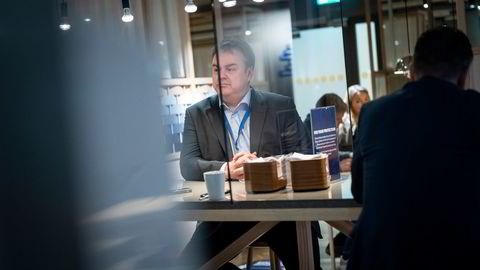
<point>352,91</point>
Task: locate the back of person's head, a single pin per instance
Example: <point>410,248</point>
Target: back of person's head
<point>332,99</point>
<point>442,52</point>
<point>230,45</point>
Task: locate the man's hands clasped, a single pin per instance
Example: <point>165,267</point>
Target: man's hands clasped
<point>236,165</point>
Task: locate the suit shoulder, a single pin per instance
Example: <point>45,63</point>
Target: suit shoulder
<point>385,101</point>
<point>472,95</point>
<point>471,101</point>
<point>202,104</point>
<point>273,98</point>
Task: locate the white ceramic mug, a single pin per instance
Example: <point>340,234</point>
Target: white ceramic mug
<point>215,181</point>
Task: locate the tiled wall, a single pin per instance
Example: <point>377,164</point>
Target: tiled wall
<point>175,100</point>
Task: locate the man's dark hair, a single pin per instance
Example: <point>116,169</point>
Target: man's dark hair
<point>442,51</point>
<point>229,45</point>
<point>332,99</point>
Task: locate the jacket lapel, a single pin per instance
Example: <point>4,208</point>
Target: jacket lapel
<point>257,122</point>
<point>215,117</point>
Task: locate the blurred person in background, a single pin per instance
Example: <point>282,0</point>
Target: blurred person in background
<point>332,99</point>
<point>357,97</point>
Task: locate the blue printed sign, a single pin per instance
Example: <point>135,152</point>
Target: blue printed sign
<point>286,58</point>
<point>324,137</point>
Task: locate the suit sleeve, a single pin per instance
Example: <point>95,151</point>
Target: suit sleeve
<point>344,138</point>
<point>192,165</point>
<point>357,162</point>
<point>308,127</point>
<point>304,141</point>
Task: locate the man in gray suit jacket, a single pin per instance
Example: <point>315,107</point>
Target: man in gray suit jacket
<point>269,119</point>
<point>257,124</point>
<point>204,145</point>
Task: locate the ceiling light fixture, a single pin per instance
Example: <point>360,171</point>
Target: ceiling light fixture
<point>64,24</point>
<point>403,65</point>
<point>425,4</point>
<point>230,3</point>
<point>190,7</point>
<point>127,14</point>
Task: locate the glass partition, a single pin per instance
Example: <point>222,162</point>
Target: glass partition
<point>216,83</point>
<point>298,47</point>
<point>472,28</point>
<point>472,17</point>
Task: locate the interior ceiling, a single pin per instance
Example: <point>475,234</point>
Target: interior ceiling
<point>239,2</point>
<point>396,4</point>
<point>202,2</point>
<point>435,4</point>
<point>201,21</point>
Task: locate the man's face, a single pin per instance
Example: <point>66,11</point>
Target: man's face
<point>235,76</point>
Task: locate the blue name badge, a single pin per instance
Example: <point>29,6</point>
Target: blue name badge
<point>324,137</point>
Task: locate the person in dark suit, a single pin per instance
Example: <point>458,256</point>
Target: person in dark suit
<point>257,124</point>
<point>413,169</point>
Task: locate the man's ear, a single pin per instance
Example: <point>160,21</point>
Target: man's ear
<point>462,79</point>
<point>411,73</point>
<point>250,73</point>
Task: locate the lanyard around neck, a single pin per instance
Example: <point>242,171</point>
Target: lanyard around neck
<point>242,126</point>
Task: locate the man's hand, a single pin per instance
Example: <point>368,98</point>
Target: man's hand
<point>236,165</point>
<point>346,165</point>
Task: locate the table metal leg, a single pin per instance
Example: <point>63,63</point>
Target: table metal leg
<point>305,248</point>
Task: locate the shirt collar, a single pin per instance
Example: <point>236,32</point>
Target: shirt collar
<point>245,100</point>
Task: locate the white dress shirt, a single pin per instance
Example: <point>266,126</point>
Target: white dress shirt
<point>234,117</point>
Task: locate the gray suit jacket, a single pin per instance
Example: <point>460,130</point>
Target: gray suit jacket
<point>275,128</point>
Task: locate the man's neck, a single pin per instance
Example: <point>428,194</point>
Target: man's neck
<point>232,104</point>
<point>233,101</point>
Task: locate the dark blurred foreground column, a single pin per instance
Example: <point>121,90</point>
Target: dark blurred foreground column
<point>37,211</point>
<point>80,135</point>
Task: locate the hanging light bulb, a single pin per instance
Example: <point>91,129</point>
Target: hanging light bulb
<point>248,33</point>
<point>425,4</point>
<point>190,7</point>
<point>471,4</point>
<point>64,24</point>
<point>403,65</point>
<point>478,7</point>
<point>258,1</point>
<point>127,14</point>
<point>230,3</point>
